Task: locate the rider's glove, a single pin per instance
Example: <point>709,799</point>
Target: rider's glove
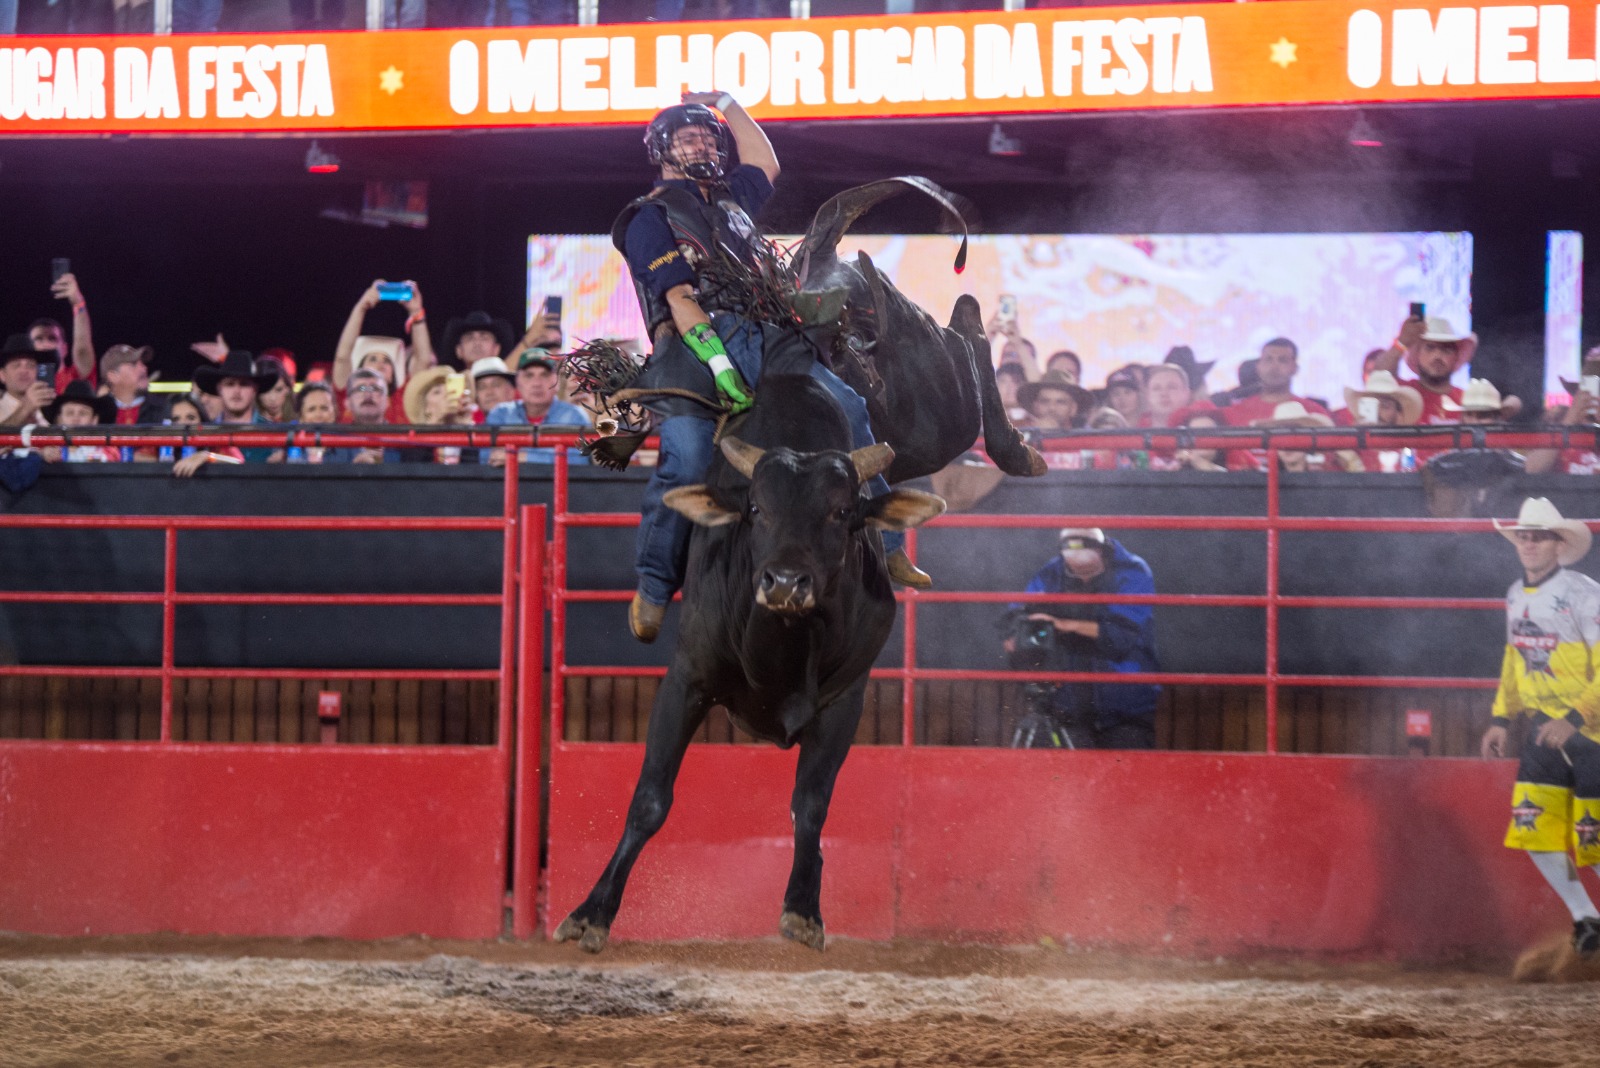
<point>707,347</point>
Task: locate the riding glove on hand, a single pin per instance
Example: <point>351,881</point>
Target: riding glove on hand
<point>707,347</point>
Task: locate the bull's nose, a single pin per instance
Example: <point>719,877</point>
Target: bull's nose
<point>785,589</point>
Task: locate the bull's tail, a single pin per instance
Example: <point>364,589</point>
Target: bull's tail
<point>1001,440</point>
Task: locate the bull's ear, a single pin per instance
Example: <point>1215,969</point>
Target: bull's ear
<point>902,509</point>
<point>696,503</point>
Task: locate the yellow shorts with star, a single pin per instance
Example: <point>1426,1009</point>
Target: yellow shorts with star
<point>1555,805</point>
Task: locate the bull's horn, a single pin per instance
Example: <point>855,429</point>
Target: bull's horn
<point>743,457</point>
<point>872,461</point>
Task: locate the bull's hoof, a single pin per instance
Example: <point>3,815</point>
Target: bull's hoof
<point>591,937</point>
<point>1036,464</point>
<point>796,928</point>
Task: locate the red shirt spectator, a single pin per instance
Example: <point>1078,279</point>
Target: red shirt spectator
<point>1276,367</point>
<point>1382,402</point>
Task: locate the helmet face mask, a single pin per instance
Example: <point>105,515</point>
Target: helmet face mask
<point>661,135</point>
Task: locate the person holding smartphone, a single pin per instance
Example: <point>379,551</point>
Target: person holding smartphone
<point>408,296</point>
<point>1584,411</point>
<point>28,383</point>
<point>75,364</point>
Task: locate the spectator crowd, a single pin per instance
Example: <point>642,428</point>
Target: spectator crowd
<point>481,372</point>
<point>1406,384</point>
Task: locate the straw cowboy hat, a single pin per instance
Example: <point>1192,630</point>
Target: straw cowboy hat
<point>418,388</point>
<point>1479,396</point>
<point>1381,384</point>
<point>1439,328</point>
<point>1293,413</point>
<point>1029,392</point>
<point>1539,514</point>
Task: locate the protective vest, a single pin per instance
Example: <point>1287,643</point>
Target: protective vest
<point>1552,653</point>
<point>703,232</point>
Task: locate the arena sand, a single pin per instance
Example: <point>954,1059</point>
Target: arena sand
<point>186,1001</point>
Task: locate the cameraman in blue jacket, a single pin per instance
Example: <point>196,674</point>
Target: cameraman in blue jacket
<point>1102,638</point>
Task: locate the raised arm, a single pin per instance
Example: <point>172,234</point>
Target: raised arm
<point>1409,337</point>
<point>352,330</point>
<point>422,355</point>
<point>66,287</point>
<point>748,138</point>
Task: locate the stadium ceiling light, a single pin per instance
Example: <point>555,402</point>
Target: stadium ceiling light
<point>1363,134</point>
<point>320,161</point>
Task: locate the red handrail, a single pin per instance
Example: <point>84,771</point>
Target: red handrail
<point>1272,525</point>
<point>170,599</point>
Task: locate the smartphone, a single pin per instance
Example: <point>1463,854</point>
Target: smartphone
<point>47,373</point>
<point>1367,410</point>
<point>455,384</point>
<point>1419,310</point>
<point>397,291</point>
<point>1007,311</point>
<point>58,267</point>
<point>1590,384</point>
<point>552,306</point>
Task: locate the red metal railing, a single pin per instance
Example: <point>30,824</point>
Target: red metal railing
<point>1272,680</point>
<point>168,598</point>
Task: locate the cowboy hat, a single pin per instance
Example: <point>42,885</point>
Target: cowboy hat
<point>455,329</point>
<point>1029,392</point>
<point>1539,514</point>
<point>236,364</point>
<point>392,348</point>
<point>1479,396</point>
<point>18,346</point>
<point>417,390</point>
<point>492,367</point>
<point>80,392</point>
<point>1293,413</point>
<point>1381,384</point>
<point>1182,356</point>
<point>1590,366</point>
<point>1438,328</point>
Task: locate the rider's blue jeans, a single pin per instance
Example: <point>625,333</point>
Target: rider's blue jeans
<point>662,550</point>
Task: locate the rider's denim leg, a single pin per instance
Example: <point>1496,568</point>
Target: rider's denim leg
<point>855,411</point>
<point>662,549</point>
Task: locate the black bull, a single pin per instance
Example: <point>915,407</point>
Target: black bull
<point>786,605</point>
<point>929,388</point>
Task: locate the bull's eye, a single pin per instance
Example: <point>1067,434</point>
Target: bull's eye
<point>755,509</point>
<point>843,513</point>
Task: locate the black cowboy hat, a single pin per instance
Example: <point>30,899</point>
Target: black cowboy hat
<point>80,392</point>
<point>237,364</point>
<point>1182,356</point>
<point>478,320</point>
<point>18,345</point>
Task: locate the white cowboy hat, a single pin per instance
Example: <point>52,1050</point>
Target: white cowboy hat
<point>1539,514</point>
<point>1293,413</point>
<point>1439,328</point>
<point>493,366</point>
<point>1479,396</point>
<point>1381,384</point>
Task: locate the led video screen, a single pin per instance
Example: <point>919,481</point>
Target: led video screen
<point>1119,299</point>
<point>1563,312</point>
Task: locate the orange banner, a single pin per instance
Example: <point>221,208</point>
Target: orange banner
<point>980,63</point>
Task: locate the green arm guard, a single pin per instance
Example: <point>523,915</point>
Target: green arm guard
<point>708,349</point>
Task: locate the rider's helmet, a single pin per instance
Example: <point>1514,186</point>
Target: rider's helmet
<point>658,139</point>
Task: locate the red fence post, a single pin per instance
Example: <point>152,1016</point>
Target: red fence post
<point>508,603</point>
<point>530,675</point>
<point>558,601</point>
<point>1272,601</point>
<point>908,657</point>
<point>169,591</point>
